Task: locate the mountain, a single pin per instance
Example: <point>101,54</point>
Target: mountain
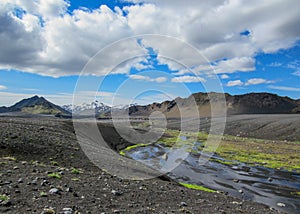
<point>95,107</point>
<point>34,105</point>
<point>252,103</point>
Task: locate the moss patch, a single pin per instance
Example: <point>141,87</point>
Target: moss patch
<point>197,187</point>
<point>4,198</point>
<point>55,175</point>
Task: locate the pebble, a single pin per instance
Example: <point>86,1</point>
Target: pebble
<point>54,191</point>
<point>34,182</point>
<point>183,204</point>
<point>20,180</point>
<point>16,167</point>
<point>236,180</point>
<point>241,191</point>
<point>116,193</point>
<point>67,210</point>
<point>270,179</point>
<point>48,211</point>
<point>280,204</point>
<point>69,189</point>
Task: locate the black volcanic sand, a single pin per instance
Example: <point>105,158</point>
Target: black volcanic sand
<point>260,126</point>
<point>42,146</point>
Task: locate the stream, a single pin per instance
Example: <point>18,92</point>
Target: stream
<point>275,188</point>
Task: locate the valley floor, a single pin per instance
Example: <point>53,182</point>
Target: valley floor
<point>44,169</point>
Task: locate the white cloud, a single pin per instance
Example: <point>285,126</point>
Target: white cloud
<point>297,73</point>
<point>256,81</point>
<point>147,78</point>
<point>235,83</point>
<point>284,88</point>
<point>188,79</point>
<point>2,87</point>
<point>224,76</point>
<point>253,81</point>
<point>49,40</point>
<point>275,64</point>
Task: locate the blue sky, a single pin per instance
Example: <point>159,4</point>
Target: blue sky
<point>244,47</point>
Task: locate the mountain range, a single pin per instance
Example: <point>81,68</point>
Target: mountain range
<point>34,105</point>
<point>252,103</point>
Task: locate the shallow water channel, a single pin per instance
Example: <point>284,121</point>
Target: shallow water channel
<point>255,183</point>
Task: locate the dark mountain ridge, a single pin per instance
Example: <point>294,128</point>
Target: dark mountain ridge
<point>251,103</point>
<point>34,105</point>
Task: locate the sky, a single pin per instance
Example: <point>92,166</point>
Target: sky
<point>144,51</point>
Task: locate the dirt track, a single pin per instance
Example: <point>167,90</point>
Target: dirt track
<point>45,146</point>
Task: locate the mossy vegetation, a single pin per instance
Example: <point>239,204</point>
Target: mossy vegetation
<point>295,193</point>
<point>75,179</point>
<point>259,152</point>
<point>123,152</point>
<point>55,175</point>
<point>75,171</point>
<point>4,198</point>
<point>9,158</point>
<point>197,187</point>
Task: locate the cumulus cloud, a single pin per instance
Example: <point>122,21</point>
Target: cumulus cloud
<point>284,88</point>
<point>2,87</point>
<point>256,81</point>
<point>235,83</point>
<point>43,37</point>
<point>188,79</point>
<point>253,81</point>
<point>147,78</point>
<point>224,76</point>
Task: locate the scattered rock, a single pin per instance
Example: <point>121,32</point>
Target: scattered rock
<point>6,203</point>
<point>236,180</point>
<point>54,191</point>
<point>270,179</point>
<point>183,204</point>
<point>20,180</point>
<point>116,193</point>
<point>280,204</point>
<point>238,203</point>
<point>67,211</point>
<point>48,211</point>
<point>241,191</point>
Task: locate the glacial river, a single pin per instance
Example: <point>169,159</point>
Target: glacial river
<point>275,188</point>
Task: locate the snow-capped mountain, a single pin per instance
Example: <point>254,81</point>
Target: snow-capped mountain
<point>96,106</point>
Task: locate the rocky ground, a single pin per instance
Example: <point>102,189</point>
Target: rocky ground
<point>43,170</point>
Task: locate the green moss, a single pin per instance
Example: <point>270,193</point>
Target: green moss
<point>4,198</point>
<point>43,194</point>
<point>9,158</point>
<point>39,109</point>
<point>122,153</point>
<point>295,193</point>
<point>54,163</point>
<point>75,171</point>
<point>135,146</point>
<point>223,161</point>
<point>197,187</point>
<point>55,175</point>
<point>75,179</point>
